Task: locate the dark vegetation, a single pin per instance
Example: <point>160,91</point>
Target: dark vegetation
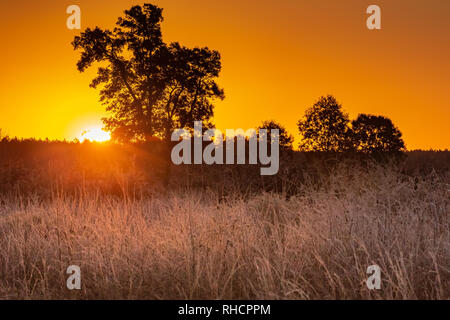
<point>44,167</point>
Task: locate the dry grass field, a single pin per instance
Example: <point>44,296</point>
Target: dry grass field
<point>192,243</point>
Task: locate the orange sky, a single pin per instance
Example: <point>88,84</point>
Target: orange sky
<point>278,58</point>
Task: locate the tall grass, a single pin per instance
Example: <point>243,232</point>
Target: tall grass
<point>196,244</point>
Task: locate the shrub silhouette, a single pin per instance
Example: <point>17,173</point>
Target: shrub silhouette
<point>286,139</point>
<point>325,127</point>
<point>374,134</point>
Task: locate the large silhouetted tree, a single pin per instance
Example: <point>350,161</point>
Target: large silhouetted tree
<point>325,127</point>
<point>149,87</point>
<point>285,139</point>
<point>376,134</point>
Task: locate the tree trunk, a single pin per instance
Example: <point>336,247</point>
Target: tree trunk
<point>167,159</point>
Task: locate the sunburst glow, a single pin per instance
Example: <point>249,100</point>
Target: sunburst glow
<point>95,135</point>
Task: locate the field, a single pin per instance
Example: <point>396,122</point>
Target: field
<point>309,233</point>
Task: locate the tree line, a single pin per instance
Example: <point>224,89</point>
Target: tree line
<point>325,127</point>
<point>151,88</point>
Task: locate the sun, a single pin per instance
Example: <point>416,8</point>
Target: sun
<point>95,135</point>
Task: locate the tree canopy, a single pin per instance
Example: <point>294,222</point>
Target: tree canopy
<point>325,127</point>
<point>376,134</point>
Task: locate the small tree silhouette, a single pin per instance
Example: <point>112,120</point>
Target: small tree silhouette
<point>325,127</point>
<point>286,139</point>
<point>373,134</point>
